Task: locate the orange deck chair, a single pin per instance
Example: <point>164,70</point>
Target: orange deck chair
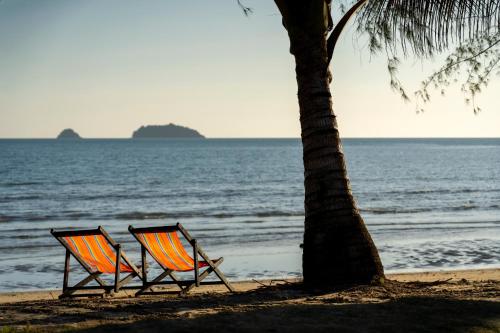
<point>99,254</point>
<point>164,245</point>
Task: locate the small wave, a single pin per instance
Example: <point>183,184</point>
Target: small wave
<point>442,191</point>
<point>432,228</point>
<point>14,184</point>
<point>7,199</point>
<point>137,196</point>
<point>30,218</point>
<point>4,218</point>
<point>30,230</point>
<point>464,207</point>
<point>381,211</point>
<point>78,215</point>
<point>44,218</point>
<point>221,215</point>
<point>40,218</point>
<point>23,236</point>
<point>392,210</point>
<point>279,213</point>
<point>45,247</point>
<point>142,216</point>
<point>164,215</point>
<point>115,196</point>
<point>476,222</point>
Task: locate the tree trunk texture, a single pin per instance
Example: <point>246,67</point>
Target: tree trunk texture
<point>338,248</point>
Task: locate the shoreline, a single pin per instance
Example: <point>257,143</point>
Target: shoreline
<point>472,275</point>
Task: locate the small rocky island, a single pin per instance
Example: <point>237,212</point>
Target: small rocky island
<point>166,131</point>
<point>68,133</point>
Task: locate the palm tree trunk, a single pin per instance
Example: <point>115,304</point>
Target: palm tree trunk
<point>337,246</point>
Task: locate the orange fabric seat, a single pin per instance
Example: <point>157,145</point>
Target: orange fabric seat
<point>164,245</point>
<point>167,249</point>
<point>97,253</point>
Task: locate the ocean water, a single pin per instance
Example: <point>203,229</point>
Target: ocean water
<point>429,204</point>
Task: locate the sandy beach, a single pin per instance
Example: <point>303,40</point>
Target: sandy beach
<point>444,301</point>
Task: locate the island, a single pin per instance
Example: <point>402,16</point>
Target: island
<point>68,133</point>
<point>166,131</point>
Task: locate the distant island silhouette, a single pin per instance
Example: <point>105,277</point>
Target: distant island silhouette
<point>68,133</point>
<point>166,131</point>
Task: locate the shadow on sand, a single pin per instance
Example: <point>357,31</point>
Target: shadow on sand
<point>414,314</point>
<point>284,309</point>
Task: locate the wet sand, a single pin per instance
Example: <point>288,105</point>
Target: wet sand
<point>448,301</point>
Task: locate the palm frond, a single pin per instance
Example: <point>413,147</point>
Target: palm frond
<point>428,26</point>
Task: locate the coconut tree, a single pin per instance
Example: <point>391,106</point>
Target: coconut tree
<point>338,248</point>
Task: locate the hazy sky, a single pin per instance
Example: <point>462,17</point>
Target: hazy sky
<point>105,68</point>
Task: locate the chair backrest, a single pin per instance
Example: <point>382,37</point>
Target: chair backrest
<point>165,246</point>
<point>92,247</point>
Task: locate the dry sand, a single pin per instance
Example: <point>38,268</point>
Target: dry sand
<point>452,301</point>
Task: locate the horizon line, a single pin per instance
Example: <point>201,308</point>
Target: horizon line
<point>257,138</point>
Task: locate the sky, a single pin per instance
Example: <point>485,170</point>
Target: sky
<point>105,68</point>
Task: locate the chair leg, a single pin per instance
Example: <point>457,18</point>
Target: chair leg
<point>144,265</point>
<point>196,268</point>
<point>87,280</point>
<point>66,270</point>
<point>202,276</point>
<point>117,268</point>
<point>221,276</point>
<point>160,277</point>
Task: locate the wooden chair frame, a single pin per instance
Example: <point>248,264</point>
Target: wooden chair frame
<point>70,291</point>
<point>184,285</point>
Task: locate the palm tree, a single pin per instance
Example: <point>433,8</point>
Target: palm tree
<point>338,248</point>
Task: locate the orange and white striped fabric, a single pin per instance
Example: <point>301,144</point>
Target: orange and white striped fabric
<point>168,251</point>
<point>96,251</point>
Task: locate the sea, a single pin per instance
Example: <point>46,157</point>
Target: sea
<point>429,204</point>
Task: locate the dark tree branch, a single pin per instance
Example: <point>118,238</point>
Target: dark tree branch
<point>334,36</point>
<point>246,10</point>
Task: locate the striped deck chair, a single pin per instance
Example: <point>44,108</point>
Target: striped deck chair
<point>98,254</point>
<point>164,246</point>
